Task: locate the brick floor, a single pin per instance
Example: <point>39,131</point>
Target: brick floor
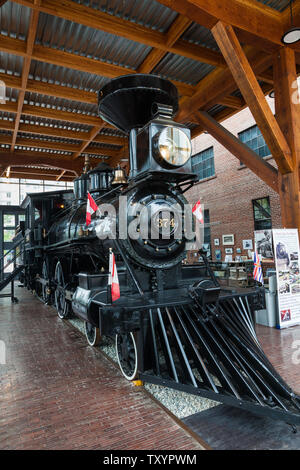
<point>282,348</point>
<point>58,393</point>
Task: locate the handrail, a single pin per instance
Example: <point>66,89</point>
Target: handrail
<point>13,248</point>
<point>12,260</point>
<point>2,268</point>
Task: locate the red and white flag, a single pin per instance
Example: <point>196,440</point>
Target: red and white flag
<point>91,207</point>
<point>197,211</point>
<point>113,279</point>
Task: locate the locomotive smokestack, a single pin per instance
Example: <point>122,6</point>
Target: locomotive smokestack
<point>127,102</point>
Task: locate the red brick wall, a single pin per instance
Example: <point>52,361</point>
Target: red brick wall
<point>229,194</point>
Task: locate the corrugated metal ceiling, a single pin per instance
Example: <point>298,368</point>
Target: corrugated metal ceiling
<point>147,13</point>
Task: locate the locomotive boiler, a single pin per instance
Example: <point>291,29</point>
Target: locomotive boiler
<point>173,323</point>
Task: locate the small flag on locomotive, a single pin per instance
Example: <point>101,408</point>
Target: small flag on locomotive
<point>91,207</point>
<point>113,280</point>
<point>197,211</point>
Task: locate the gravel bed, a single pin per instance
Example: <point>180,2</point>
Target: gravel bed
<point>179,403</point>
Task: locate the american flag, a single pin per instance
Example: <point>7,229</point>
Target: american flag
<point>257,272</point>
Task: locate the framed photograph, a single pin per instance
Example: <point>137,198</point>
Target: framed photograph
<point>247,245</point>
<point>217,241</point>
<point>228,239</point>
<point>238,250</point>
<point>228,251</point>
<point>218,255</point>
<point>264,244</point>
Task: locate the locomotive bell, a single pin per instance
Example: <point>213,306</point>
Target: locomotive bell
<point>119,176</point>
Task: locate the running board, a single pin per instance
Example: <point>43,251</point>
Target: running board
<point>213,351</point>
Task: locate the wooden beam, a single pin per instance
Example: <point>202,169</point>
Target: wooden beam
<point>260,167</point>
<point>60,146</point>
<point>35,176</point>
<point>49,113</point>
<point>256,19</point>
<point>232,102</point>
<point>253,95</point>
<point>60,175</point>
<point>179,25</point>
<point>225,113</point>
<point>20,157</point>
<point>34,17</point>
<point>102,21</point>
<point>83,148</point>
<point>218,84</point>
<point>287,110</point>
<point>75,62</point>
<point>46,131</point>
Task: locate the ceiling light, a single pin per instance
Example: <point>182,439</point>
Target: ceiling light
<point>292,35</point>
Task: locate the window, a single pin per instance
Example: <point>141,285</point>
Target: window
<point>203,163</point>
<point>262,213</point>
<point>254,139</point>
<point>13,191</point>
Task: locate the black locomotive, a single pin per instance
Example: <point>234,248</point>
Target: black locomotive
<point>173,323</point>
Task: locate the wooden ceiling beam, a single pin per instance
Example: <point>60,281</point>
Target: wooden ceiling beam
<point>218,84</point>
<point>258,20</point>
<point>232,102</point>
<point>177,28</point>
<point>252,160</point>
<point>47,131</point>
<point>34,176</point>
<point>74,62</point>
<point>34,17</point>
<point>60,175</point>
<point>28,170</point>
<point>23,157</point>
<point>253,94</point>
<point>102,21</point>
<point>84,146</point>
<point>50,113</point>
<point>60,146</point>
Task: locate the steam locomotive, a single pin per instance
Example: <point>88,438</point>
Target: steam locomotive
<point>173,324</point>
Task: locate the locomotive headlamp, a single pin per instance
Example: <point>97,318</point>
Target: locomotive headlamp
<point>173,146</point>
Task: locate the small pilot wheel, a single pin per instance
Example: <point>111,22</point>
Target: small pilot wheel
<point>61,303</point>
<point>92,334</point>
<point>127,355</point>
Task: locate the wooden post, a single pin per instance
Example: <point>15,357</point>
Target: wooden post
<point>253,95</point>
<point>287,108</point>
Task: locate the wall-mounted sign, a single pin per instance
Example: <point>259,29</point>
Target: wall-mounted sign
<point>286,247</point>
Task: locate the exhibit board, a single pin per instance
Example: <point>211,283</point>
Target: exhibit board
<point>286,248</point>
